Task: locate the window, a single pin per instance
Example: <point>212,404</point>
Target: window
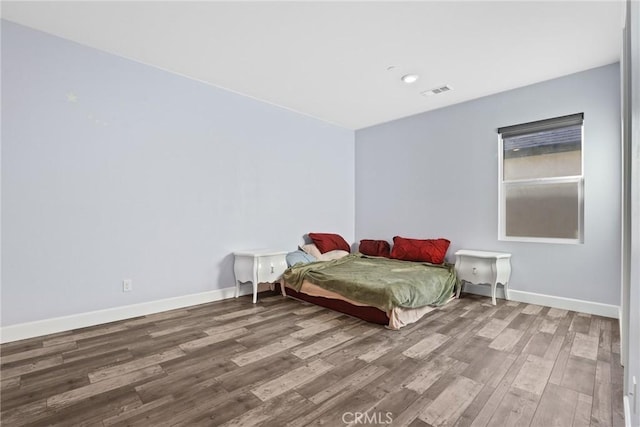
<point>541,181</point>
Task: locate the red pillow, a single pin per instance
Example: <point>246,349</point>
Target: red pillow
<point>327,242</point>
<point>375,247</point>
<point>430,250</point>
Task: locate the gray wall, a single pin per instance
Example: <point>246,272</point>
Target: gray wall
<point>149,176</point>
<point>435,175</point>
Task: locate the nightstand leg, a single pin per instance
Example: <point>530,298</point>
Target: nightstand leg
<point>503,273</point>
<point>494,282</point>
<point>493,293</point>
<point>255,287</point>
<point>237,288</point>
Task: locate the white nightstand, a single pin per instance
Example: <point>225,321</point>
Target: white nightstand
<point>258,266</point>
<point>479,267</point>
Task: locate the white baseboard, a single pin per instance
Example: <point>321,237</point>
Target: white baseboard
<point>582,306</point>
<point>66,323</point>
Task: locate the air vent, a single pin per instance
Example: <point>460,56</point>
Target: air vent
<point>437,90</point>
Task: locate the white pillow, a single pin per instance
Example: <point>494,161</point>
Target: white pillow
<point>331,255</point>
<point>313,250</point>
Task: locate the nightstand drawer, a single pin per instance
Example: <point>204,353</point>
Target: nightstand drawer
<point>475,270</point>
<point>270,268</point>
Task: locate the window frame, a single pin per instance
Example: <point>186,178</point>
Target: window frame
<point>503,184</point>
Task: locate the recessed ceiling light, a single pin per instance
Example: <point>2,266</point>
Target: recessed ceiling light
<point>409,78</point>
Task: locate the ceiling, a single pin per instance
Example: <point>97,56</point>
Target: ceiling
<point>342,62</point>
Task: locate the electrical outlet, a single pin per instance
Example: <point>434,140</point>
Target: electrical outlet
<point>127,285</point>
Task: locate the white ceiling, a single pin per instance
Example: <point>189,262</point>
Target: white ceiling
<point>330,60</point>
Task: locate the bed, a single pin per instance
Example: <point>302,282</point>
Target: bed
<point>386,291</point>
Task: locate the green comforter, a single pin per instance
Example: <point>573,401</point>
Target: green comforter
<point>378,282</point>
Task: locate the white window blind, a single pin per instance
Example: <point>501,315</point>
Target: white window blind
<point>541,180</point>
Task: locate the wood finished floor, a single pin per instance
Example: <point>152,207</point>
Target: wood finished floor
<point>287,363</point>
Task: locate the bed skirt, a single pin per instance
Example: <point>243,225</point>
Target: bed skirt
<point>369,314</point>
<point>394,319</point>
